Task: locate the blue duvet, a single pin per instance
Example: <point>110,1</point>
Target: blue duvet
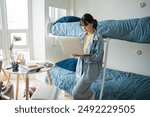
<point>133,30</point>
<point>118,85</point>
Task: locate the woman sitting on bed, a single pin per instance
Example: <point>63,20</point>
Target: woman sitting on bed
<point>90,63</point>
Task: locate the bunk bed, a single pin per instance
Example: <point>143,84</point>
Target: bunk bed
<point>111,84</point>
<point>133,30</point>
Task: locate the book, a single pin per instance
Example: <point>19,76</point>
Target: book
<point>31,67</point>
<point>47,64</point>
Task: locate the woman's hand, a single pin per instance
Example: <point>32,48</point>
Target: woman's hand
<point>75,55</point>
<point>79,55</point>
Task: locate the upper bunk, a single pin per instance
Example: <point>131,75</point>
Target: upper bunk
<point>133,30</point>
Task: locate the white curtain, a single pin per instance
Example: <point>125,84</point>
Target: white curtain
<point>4,47</point>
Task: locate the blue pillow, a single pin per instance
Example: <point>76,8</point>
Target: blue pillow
<point>67,19</point>
<point>69,64</point>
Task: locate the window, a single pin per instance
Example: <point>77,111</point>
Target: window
<point>1,54</point>
<point>17,20</point>
<point>17,14</point>
<point>1,35</point>
<point>55,13</point>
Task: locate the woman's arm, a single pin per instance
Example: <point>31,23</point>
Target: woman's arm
<point>97,52</point>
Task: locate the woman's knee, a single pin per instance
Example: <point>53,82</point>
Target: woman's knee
<point>75,91</point>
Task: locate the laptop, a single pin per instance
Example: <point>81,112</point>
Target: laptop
<point>71,45</point>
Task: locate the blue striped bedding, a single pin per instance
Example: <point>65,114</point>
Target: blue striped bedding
<point>121,86</point>
<point>133,30</point>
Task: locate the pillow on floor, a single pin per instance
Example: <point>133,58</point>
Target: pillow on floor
<point>69,64</point>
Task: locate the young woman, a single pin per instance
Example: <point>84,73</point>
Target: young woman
<point>90,63</point>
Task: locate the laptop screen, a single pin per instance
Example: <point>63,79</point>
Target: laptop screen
<point>71,45</point>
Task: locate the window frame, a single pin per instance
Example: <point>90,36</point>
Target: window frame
<point>28,46</point>
<point>55,12</point>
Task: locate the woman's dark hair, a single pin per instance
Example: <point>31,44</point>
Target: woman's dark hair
<point>88,18</point>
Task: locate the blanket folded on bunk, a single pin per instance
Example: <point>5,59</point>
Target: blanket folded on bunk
<point>133,30</point>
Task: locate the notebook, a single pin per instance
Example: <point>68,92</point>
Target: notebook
<point>31,68</point>
<point>71,45</point>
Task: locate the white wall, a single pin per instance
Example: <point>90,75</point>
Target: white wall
<point>3,31</point>
<point>0,27</point>
<point>38,20</point>
<point>122,54</point>
<point>112,9</point>
<point>1,56</point>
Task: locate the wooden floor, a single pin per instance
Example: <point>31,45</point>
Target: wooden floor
<point>34,81</point>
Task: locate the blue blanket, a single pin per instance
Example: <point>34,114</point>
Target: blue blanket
<point>133,30</point>
<point>118,85</point>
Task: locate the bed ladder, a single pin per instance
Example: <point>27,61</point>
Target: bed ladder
<point>102,82</point>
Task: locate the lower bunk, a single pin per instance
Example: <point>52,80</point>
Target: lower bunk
<point>119,85</point>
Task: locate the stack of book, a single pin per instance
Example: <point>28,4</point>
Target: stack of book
<point>31,67</point>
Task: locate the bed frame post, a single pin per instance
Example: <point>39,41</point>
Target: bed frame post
<point>104,69</point>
